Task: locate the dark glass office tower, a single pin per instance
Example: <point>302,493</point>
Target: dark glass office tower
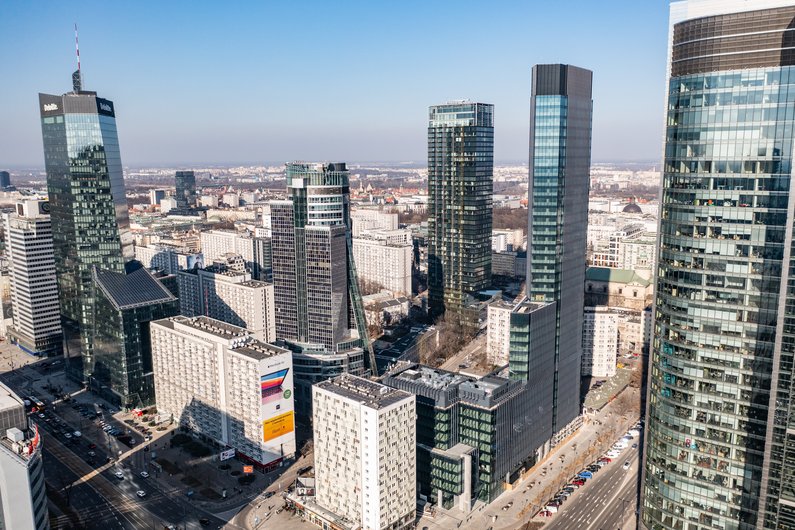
<point>560,159</point>
<point>185,184</point>
<point>5,179</point>
<point>720,440</point>
<point>319,310</point>
<point>460,173</point>
<point>88,209</point>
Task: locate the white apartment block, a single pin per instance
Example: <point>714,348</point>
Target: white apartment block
<point>501,238</point>
<point>599,342</point>
<point>365,446</point>
<point>229,296</point>
<point>498,335</point>
<point>363,220</point>
<point>167,204</point>
<point>167,259</point>
<point>34,291</point>
<point>221,382</point>
<point>218,243</point>
<point>231,199</point>
<point>385,257</point>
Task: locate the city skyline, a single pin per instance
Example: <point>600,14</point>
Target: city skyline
<point>251,54</point>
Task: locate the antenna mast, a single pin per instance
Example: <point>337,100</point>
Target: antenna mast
<point>77,81</point>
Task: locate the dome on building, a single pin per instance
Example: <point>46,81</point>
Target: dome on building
<point>632,208</point>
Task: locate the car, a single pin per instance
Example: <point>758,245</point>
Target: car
<point>204,521</point>
<point>568,489</point>
<point>92,446</point>
<point>268,495</point>
<point>564,494</point>
<point>92,453</point>
<point>593,468</point>
<point>141,493</point>
<point>585,474</point>
<point>551,509</point>
<point>626,465</point>
<point>606,459</point>
<point>119,475</point>
<point>144,474</point>
<point>578,482</point>
<point>41,415</point>
<point>77,434</point>
<point>68,436</point>
<point>573,485</point>
<point>634,446</point>
<point>555,503</point>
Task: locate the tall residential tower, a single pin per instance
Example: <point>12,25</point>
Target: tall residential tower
<point>560,159</point>
<point>720,443</point>
<point>460,172</point>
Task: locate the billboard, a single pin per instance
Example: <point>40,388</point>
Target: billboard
<point>276,406</point>
<point>226,455</point>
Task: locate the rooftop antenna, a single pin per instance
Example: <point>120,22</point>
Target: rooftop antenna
<point>77,81</point>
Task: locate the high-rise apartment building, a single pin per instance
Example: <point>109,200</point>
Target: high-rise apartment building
<point>23,497</point>
<point>460,173</point>
<point>319,311</point>
<point>217,244</point>
<point>720,442</point>
<point>34,291</point>
<point>168,259</point>
<point>384,260</point>
<point>365,445</point>
<point>364,220</point>
<point>498,332</point>
<point>88,209</point>
<point>599,342</point>
<point>185,186</point>
<point>221,382</point>
<point>229,296</point>
<point>560,158</point>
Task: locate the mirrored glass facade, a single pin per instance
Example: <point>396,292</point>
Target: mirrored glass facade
<point>460,174</point>
<point>559,180</point>
<point>720,445</point>
<point>88,209</point>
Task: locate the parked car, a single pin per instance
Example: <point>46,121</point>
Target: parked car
<point>119,475</point>
<point>144,474</point>
<point>585,474</point>
<point>551,509</point>
<point>634,446</point>
<point>141,493</point>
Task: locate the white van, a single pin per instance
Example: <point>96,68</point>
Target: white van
<point>551,509</point>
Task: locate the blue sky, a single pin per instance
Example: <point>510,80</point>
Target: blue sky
<point>256,81</point>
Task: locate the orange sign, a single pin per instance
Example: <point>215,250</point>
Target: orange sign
<point>248,469</point>
<point>277,426</point>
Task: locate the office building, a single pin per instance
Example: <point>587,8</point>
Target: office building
<point>231,199</point>
<point>475,437</point>
<point>460,172</point>
<point>384,260</point>
<point>560,159</point>
<point>319,311</point>
<point>263,259</point>
<point>229,296</point>
<point>125,305</point>
<point>185,186</point>
<point>365,447</point>
<point>23,498</point>
<point>168,259</point>
<point>167,204</point>
<point>222,383</point>
<point>34,291</point>
<point>599,342</point>
<point>5,179</point>
<point>155,196</point>
<point>720,441</point>
<point>90,226</point>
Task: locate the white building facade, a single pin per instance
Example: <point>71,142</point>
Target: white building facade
<point>221,382</point>
<point>369,220</point>
<point>365,452</point>
<point>218,243</point>
<point>229,296</point>
<point>498,335</point>
<point>384,258</point>
<point>167,259</point>
<point>34,291</point>
<point>599,342</point>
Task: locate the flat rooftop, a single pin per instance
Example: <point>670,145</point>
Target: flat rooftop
<point>208,325</point>
<point>368,393</point>
<point>8,399</point>
<point>259,350</point>
<point>431,377</point>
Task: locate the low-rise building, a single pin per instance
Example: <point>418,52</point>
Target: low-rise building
<point>221,382</point>
<point>365,448</point>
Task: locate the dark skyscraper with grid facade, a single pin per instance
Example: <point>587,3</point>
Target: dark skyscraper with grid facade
<point>560,157</point>
<point>720,439</point>
<point>319,312</point>
<point>460,173</point>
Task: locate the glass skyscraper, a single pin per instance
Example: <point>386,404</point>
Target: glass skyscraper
<point>185,185</point>
<point>88,209</point>
<point>720,445</point>
<point>560,158</point>
<point>460,174</point>
<point>319,312</point>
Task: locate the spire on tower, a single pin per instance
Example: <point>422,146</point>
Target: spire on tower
<point>77,81</point>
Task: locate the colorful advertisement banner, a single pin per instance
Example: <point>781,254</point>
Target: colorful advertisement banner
<point>277,426</point>
<point>271,385</point>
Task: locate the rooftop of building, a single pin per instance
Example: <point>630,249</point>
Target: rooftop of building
<point>606,274</point>
<point>368,393</point>
<point>136,288</point>
<point>8,399</point>
<point>259,350</point>
<point>434,378</point>
<point>528,306</point>
<point>208,325</point>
